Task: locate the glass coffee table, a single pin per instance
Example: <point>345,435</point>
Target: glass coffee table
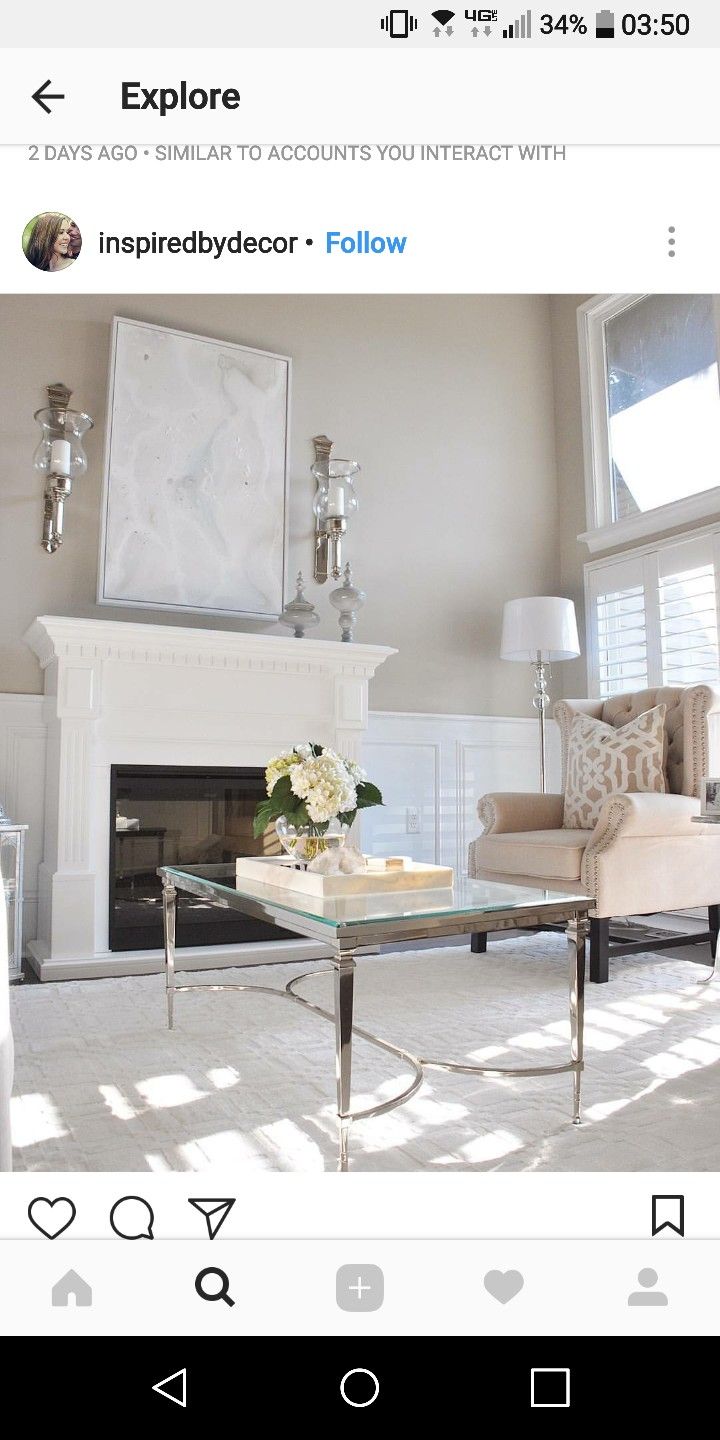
<point>354,925</point>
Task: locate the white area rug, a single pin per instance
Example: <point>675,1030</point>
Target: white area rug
<point>247,1081</point>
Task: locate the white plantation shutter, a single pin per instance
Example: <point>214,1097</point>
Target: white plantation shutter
<point>687,599</point>
<point>618,626</point>
<point>622,640</point>
<point>653,616</point>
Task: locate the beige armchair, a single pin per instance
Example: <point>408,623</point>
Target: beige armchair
<point>645,854</point>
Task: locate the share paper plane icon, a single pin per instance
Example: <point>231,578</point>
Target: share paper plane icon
<point>215,1212</point>
<point>174,1387</point>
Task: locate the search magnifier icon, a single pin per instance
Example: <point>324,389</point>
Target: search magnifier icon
<point>211,1292</point>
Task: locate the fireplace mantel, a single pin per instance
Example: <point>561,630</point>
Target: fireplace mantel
<point>59,637</point>
<point>125,693</point>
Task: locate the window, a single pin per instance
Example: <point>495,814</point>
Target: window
<point>653,616</point>
<point>651,413</point>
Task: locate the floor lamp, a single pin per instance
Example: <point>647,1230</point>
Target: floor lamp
<point>538,630</point>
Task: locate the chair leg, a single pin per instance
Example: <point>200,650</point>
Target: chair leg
<point>478,944</point>
<point>714,927</point>
<point>599,951</point>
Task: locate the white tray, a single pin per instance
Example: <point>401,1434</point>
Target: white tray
<point>411,876</point>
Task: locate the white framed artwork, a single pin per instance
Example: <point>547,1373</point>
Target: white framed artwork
<point>710,797</point>
<point>194,510</point>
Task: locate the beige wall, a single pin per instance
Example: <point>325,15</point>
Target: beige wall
<point>447,403</point>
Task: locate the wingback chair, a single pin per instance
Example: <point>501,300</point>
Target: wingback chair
<point>645,854</point>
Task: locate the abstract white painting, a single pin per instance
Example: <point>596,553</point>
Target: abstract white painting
<point>194,505</point>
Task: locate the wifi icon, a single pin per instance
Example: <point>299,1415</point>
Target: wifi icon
<point>444,19</point>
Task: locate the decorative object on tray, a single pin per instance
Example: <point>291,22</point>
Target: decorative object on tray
<point>300,614</point>
<point>314,795</point>
<point>377,877</point>
<point>710,797</point>
<point>339,860</point>
<point>334,501</point>
<point>348,600</point>
<point>194,503</point>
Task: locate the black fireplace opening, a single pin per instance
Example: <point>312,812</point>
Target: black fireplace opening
<point>181,815</point>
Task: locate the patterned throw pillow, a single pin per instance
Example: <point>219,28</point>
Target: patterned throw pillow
<point>603,761</point>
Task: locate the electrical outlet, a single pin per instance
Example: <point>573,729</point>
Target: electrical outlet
<point>412,820</point>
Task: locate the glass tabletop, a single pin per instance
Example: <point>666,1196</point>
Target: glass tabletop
<point>465,897</point>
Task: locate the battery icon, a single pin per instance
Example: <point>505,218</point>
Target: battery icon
<point>605,25</point>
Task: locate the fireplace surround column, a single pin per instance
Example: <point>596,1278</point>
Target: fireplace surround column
<point>67,873</point>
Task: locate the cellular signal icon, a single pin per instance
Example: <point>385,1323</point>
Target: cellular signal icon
<point>521,29</point>
<point>399,24</point>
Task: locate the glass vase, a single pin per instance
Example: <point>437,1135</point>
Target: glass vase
<point>306,842</point>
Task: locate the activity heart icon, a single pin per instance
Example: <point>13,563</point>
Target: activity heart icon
<point>51,1217</point>
<point>504,1285</point>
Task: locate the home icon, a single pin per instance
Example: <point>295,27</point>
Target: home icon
<point>72,1289</point>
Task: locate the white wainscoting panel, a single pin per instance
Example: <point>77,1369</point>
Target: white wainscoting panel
<point>23,737</point>
<point>440,766</point>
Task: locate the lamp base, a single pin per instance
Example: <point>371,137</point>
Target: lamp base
<point>541,700</point>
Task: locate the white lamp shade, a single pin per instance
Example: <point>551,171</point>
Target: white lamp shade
<point>543,625</point>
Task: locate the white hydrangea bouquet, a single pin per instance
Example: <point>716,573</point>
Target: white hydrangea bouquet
<point>314,795</point>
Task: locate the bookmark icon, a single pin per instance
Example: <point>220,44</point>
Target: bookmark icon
<point>668,1213</point>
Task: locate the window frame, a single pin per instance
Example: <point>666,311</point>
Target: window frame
<point>604,533</point>
<point>641,561</point>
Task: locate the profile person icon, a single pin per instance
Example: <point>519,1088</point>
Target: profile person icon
<point>648,1295</point>
<point>51,241</point>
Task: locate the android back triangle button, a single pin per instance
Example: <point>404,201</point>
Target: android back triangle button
<point>174,1387</point>
<point>215,1212</point>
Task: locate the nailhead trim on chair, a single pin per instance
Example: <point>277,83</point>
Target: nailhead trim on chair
<point>487,814</point>
<point>700,702</point>
<point>615,814</point>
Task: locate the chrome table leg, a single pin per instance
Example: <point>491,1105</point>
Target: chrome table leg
<point>344,987</point>
<point>169,912</point>
<point>577,933</point>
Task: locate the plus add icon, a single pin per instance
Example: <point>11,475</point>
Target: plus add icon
<point>359,1287</point>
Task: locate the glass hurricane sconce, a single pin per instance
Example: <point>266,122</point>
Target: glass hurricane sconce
<point>59,459</point>
<point>334,501</point>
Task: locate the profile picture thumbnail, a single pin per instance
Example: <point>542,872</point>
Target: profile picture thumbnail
<point>51,241</point>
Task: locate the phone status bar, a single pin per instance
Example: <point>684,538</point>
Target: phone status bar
<point>489,26</point>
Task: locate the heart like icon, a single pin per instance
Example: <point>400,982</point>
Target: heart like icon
<point>51,1217</point>
<point>503,1285</point>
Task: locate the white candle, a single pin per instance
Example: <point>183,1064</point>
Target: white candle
<point>336,499</point>
<point>60,453</point>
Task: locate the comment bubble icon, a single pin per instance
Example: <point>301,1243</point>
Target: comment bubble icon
<point>132,1218</point>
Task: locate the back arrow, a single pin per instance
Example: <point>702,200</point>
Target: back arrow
<point>42,94</point>
<point>180,1395</point>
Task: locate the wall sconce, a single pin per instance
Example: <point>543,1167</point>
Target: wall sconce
<point>334,501</point>
<point>59,458</point>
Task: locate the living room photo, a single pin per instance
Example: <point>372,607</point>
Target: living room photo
<point>360,733</point>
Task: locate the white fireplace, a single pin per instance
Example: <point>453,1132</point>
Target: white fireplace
<point>122,694</point>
